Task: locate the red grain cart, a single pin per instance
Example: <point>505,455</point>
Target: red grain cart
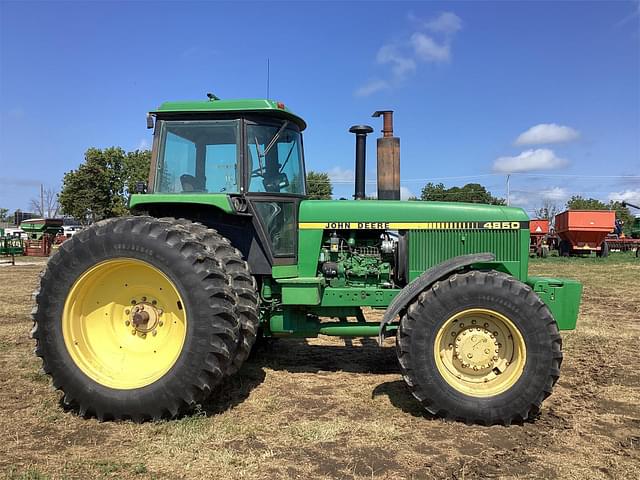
<point>539,230</point>
<point>584,231</point>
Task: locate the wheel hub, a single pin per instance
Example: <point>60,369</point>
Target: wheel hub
<point>145,316</point>
<point>476,348</point>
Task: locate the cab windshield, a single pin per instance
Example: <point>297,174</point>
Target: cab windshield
<point>198,156</point>
<point>275,159</point>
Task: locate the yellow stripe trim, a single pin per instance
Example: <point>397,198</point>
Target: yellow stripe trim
<point>409,225</point>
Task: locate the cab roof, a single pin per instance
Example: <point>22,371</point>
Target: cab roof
<point>268,107</point>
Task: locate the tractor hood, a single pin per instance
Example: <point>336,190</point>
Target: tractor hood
<point>394,215</point>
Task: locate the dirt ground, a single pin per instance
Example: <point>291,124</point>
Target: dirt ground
<point>327,409</point>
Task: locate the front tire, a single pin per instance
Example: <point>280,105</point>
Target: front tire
<point>480,347</point>
<point>134,318</point>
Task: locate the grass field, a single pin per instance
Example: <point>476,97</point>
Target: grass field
<point>321,409</point>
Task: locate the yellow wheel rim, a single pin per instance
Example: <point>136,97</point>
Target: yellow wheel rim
<point>124,323</point>
<point>480,352</point>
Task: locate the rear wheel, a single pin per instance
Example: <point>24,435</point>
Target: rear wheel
<point>604,250</point>
<point>135,319</point>
<point>480,347</point>
<point>242,282</point>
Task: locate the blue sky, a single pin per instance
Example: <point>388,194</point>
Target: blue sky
<point>549,90</point>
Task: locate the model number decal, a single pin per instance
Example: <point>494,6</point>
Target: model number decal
<point>491,225</point>
<point>502,225</point>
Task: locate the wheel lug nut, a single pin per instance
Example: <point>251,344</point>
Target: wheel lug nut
<point>127,323</point>
<point>154,333</point>
<point>160,323</point>
<point>144,299</point>
<point>133,332</point>
<point>133,302</point>
<point>469,355</point>
<point>486,350</point>
<point>127,311</point>
<point>153,302</point>
<point>144,335</point>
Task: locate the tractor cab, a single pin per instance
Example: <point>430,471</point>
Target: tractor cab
<point>243,154</point>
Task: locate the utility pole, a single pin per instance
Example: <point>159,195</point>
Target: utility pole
<point>508,190</point>
<point>42,199</point>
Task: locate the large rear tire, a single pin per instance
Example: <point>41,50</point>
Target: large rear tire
<point>242,282</point>
<point>480,347</point>
<point>134,318</point>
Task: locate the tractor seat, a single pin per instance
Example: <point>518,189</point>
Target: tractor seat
<point>191,183</point>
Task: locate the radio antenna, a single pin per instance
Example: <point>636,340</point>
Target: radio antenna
<point>267,77</point>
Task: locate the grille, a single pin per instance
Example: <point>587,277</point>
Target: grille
<point>430,247</point>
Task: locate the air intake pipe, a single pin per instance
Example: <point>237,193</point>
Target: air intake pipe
<point>388,159</point>
<point>361,132</point>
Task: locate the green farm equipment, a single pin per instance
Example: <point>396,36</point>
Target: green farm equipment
<point>141,317</point>
<point>10,245</point>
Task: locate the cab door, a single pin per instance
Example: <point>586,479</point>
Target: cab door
<point>275,184</point>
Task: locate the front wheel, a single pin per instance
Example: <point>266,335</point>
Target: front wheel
<point>480,347</point>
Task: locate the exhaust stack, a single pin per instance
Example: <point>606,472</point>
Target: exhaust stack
<point>361,132</point>
<point>388,159</point>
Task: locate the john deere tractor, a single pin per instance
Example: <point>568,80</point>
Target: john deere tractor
<point>141,317</point>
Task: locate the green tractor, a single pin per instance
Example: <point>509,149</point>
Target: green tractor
<point>141,317</point>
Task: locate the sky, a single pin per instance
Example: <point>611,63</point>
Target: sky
<point>548,92</point>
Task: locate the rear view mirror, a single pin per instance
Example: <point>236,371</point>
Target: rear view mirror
<point>149,120</point>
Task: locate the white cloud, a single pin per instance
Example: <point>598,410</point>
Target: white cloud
<point>529,160</point>
<point>631,196</point>
<point>402,57</point>
<point>371,87</point>
<point>341,175</point>
<point>405,193</point>
<point>400,65</point>
<point>554,194</point>
<point>446,22</point>
<point>547,133</point>
<point>428,49</point>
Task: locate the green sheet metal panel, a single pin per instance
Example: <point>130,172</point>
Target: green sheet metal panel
<point>428,248</point>
<point>232,105</point>
<point>562,296</point>
<point>218,200</point>
<point>329,211</point>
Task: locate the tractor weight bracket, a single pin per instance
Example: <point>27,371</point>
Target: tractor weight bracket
<point>428,278</point>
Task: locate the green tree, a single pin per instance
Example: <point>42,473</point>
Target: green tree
<point>100,187</point>
<point>3,214</point>
<point>470,193</point>
<point>319,186</point>
<point>578,202</point>
<point>622,213</point>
